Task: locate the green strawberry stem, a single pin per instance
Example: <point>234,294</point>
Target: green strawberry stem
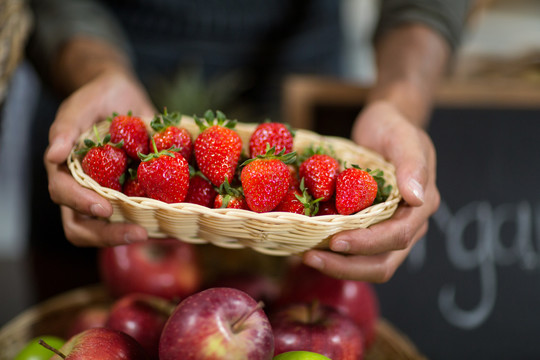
<point>287,158</point>
<point>311,207</point>
<point>161,122</point>
<point>156,154</point>
<point>211,119</point>
<point>115,114</point>
<point>88,143</point>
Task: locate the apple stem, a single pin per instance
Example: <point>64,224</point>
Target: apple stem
<point>237,325</point>
<point>47,346</point>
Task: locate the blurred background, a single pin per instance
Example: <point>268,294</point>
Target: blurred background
<point>468,290</point>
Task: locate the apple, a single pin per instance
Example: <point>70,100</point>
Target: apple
<point>99,344</point>
<point>167,268</point>
<point>89,317</point>
<point>33,350</point>
<point>300,355</point>
<point>259,286</point>
<point>316,328</point>
<point>141,316</point>
<point>356,299</point>
<point>217,323</point>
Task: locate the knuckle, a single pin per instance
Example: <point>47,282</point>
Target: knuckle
<point>384,273</point>
<point>403,237</point>
<point>53,193</point>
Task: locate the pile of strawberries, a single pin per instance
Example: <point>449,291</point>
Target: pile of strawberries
<point>211,169</point>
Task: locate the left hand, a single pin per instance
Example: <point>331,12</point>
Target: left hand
<point>375,253</point>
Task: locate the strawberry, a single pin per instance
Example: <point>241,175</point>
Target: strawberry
<point>265,179</point>
<point>132,131</point>
<point>294,183</point>
<point>268,135</point>
<point>327,208</point>
<point>298,201</point>
<point>320,172</point>
<point>103,162</point>
<point>200,191</point>
<point>356,189</point>
<point>217,148</point>
<point>169,135</point>
<point>230,198</point>
<point>164,175</point>
<point>132,187</point>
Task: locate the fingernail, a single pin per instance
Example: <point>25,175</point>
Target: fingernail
<point>98,210</point>
<point>416,189</point>
<point>340,246</point>
<point>315,262</point>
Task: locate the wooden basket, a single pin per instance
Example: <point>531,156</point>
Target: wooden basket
<point>273,233</point>
<point>53,316</point>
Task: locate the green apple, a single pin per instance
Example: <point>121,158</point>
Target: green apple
<point>35,351</point>
<point>300,355</point>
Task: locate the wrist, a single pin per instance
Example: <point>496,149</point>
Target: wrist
<point>83,59</point>
<point>411,60</point>
<point>407,98</point>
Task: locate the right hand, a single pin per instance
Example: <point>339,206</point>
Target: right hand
<point>83,210</point>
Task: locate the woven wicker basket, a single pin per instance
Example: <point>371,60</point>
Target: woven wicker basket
<point>273,233</point>
<point>53,317</point>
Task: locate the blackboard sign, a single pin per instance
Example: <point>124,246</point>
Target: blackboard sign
<point>471,288</point>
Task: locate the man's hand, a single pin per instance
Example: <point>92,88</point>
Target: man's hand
<point>111,91</point>
<point>375,253</point>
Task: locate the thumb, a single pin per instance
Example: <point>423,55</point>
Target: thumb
<point>411,160</point>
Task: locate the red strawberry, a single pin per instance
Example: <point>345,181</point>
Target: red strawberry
<point>356,189</point>
<point>230,198</point>
<point>200,191</point>
<point>268,135</point>
<point>298,201</point>
<point>103,162</point>
<point>168,135</point>
<point>132,187</point>
<point>132,131</point>
<point>327,208</point>
<point>265,180</point>
<point>217,148</point>
<point>164,175</point>
<point>320,172</point>
<point>294,182</point>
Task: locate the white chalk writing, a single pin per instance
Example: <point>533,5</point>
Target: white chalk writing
<point>501,235</point>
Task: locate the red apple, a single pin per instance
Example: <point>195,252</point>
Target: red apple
<point>316,328</point>
<point>141,316</point>
<point>356,299</point>
<point>167,268</point>
<point>90,317</point>
<point>217,323</point>
<point>100,344</point>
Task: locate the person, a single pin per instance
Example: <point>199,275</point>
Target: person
<point>103,55</point>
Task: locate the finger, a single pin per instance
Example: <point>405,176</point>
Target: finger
<point>73,117</point>
<point>374,268</point>
<point>411,158</point>
<point>84,231</point>
<point>64,190</point>
<point>395,233</point>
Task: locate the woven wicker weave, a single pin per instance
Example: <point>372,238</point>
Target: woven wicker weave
<point>53,317</point>
<point>15,24</point>
<point>273,233</point>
